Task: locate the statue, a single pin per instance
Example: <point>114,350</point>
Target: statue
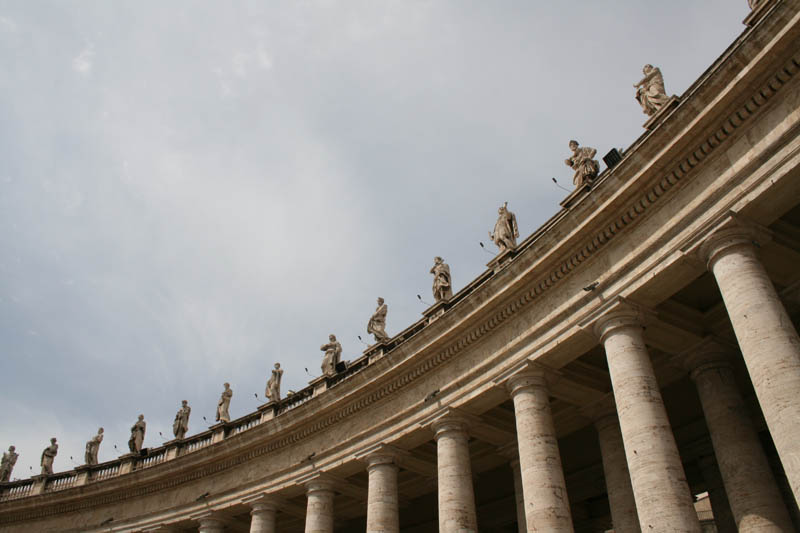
<point>753,3</point>
<point>7,464</point>
<point>333,353</point>
<point>273,392</point>
<point>377,322</point>
<point>505,229</point>
<point>585,167</point>
<point>224,403</point>
<point>137,435</point>
<point>93,447</point>
<point>442,284</point>
<point>650,90</point>
<point>48,455</point>
<point>181,424</point>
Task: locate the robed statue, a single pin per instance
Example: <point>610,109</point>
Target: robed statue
<point>583,163</point>
<point>505,229</point>
<point>181,423</point>
<point>273,392</point>
<point>137,435</point>
<point>333,354</point>
<point>377,322</point>
<point>93,448</point>
<point>650,90</point>
<point>48,456</point>
<point>7,464</point>
<point>442,284</point>
<point>224,403</point>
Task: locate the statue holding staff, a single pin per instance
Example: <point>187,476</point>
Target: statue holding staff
<point>7,464</point>
<point>48,455</point>
<point>333,354</point>
<point>377,322</point>
<point>93,447</point>
<point>273,392</point>
<point>224,403</point>
<point>181,424</point>
<point>505,229</point>
<point>137,435</point>
<point>442,284</point>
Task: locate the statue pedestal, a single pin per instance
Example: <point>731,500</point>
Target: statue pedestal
<point>436,310</point>
<point>376,351</point>
<point>38,484</point>
<point>653,122</point>
<point>267,411</point>
<point>126,462</point>
<point>320,384</point>
<point>218,432</point>
<point>501,259</point>
<point>83,472</point>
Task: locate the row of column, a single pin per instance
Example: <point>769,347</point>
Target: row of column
<point>645,479</point>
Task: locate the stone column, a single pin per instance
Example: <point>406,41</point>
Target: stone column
<point>383,511</point>
<point>512,452</point>
<point>663,500</point>
<point>768,340</point>
<point>319,512</point>
<point>720,507</point>
<point>456,496</point>
<point>753,495</point>
<point>543,486</point>
<point>263,515</point>
<point>615,470</point>
<point>210,524</point>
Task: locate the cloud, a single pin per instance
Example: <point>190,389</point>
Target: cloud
<point>82,63</point>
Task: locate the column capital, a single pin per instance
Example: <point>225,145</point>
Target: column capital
<point>380,453</point>
<point>210,520</point>
<point>728,232</point>
<point>711,352</point>
<point>318,481</point>
<point>601,411</point>
<point>619,313</point>
<point>262,503</point>
<point>449,421</point>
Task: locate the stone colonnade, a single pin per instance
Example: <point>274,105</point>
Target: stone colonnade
<point>644,475</point>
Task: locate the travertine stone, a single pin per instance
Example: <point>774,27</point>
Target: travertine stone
<point>263,515</point>
<point>751,490</point>
<point>663,500</point>
<point>319,510</point>
<point>210,524</point>
<point>512,452</point>
<point>615,470</point>
<point>506,231</point>
<point>543,486</point>
<point>93,447</point>
<point>377,322</point>
<point>333,353</point>
<point>456,494</point>
<point>137,435</point>
<point>273,390</point>
<point>181,423</point>
<point>650,90</point>
<point>583,163</point>
<point>224,404</point>
<point>723,517</point>
<point>442,282</point>
<point>7,465</point>
<point>383,512</point>
<point>48,456</point>
<point>768,341</point>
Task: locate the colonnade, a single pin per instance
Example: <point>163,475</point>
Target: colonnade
<point>645,479</point>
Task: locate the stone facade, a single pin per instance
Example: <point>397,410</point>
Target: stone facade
<point>671,287</point>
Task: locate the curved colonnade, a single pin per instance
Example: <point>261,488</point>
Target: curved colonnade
<point>640,347</point>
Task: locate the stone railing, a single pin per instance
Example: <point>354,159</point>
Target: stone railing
<point>151,459</point>
<point>246,422</point>
<point>61,481</point>
<point>106,471</point>
<point>197,442</point>
<point>17,489</point>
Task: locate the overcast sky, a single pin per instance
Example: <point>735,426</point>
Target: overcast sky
<point>191,191</point>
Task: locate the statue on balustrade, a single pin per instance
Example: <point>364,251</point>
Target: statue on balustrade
<point>7,464</point>
<point>505,229</point>
<point>754,3</point>
<point>333,354</point>
<point>224,404</point>
<point>377,322</point>
<point>273,392</point>
<point>181,424</point>
<point>93,447</point>
<point>650,90</point>
<point>48,455</point>
<point>137,435</point>
<point>442,284</point>
<point>586,168</point>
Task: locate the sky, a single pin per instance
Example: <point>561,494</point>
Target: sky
<point>191,191</point>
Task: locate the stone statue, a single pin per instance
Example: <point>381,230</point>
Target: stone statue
<point>753,3</point>
<point>377,322</point>
<point>333,353</point>
<point>273,392</point>
<point>650,90</point>
<point>442,284</point>
<point>505,229</point>
<point>93,447</point>
<point>224,403</point>
<point>137,435</point>
<point>48,455</point>
<point>585,167</point>
<point>181,424</point>
<point>7,464</point>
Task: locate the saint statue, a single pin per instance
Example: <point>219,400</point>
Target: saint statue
<point>7,464</point>
<point>505,229</point>
<point>48,455</point>
<point>377,322</point>
<point>181,424</point>
<point>442,284</point>
<point>582,162</point>
<point>93,447</point>
<point>273,392</point>
<point>224,403</point>
<point>650,90</point>
<point>333,353</point>
<point>137,435</point>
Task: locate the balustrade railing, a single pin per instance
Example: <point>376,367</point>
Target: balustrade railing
<point>250,421</point>
<point>151,459</point>
<point>19,489</point>
<point>60,482</point>
<point>106,472</point>
<point>197,444</point>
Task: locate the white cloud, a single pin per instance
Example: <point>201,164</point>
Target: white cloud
<point>82,63</point>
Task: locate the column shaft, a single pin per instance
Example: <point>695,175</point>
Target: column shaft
<point>263,517</point>
<point>383,515</point>
<point>720,506</point>
<point>768,341</point>
<point>618,481</point>
<point>319,510</point>
<point>518,496</point>
<point>456,496</point>
<point>211,525</point>
<point>543,485</point>
<point>663,500</point>
<point>753,495</point>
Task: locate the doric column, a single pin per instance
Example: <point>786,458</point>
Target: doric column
<point>512,452</point>
<point>663,500</point>
<point>210,524</point>
<point>383,512</point>
<point>543,486</point>
<point>262,515</point>
<point>752,493</point>
<point>615,470</point>
<point>456,495</point>
<point>720,507</point>
<point>319,510</point>
<point>767,339</point>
